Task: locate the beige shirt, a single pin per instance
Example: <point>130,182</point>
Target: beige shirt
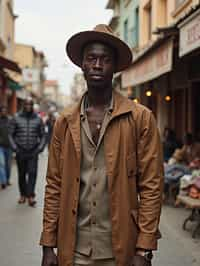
<point>93,221</point>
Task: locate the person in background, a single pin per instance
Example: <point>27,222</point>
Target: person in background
<point>49,126</point>
<point>190,149</point>
<point>27,139</point>
<point>170,143</point>
<point>4,143</point>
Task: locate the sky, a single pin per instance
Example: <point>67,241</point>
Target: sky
<point>48,24</point>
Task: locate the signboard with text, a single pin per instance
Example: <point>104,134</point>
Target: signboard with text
<point>190,35</point>
<point>149,67</point>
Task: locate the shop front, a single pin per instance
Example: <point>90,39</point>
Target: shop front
<point>189,53</point>
<point>8,86</point>
<point>150,73</point>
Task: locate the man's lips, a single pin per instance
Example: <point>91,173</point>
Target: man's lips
<point>96,76</point>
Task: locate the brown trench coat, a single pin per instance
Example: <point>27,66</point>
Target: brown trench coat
<point>134,170</point>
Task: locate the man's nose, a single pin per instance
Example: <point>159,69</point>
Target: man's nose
<point>98,63</point>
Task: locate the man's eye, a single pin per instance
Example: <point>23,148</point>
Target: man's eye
<point>90,58</point>
<point>107,59</point>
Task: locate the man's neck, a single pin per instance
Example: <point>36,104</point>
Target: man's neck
<point>99,97</point>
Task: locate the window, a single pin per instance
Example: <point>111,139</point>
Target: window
<point>149,21</point>
<point>126,30</point>
<point>135,29</point>
<point>137,26</point>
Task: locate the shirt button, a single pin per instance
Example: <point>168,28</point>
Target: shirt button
<point>94,203</point>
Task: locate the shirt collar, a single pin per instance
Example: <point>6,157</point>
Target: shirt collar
<point>83,106</point>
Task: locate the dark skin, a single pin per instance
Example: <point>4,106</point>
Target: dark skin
<point>98,66</point>
<point>28,106</point>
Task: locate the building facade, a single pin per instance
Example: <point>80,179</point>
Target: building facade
<point>78,87</point>
<point>125,24</point>
<point>164,70</point>
<point>8,67</point>
<point>51,92</point>
<point>32,63</point>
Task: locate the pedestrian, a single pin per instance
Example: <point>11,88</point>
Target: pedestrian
<point>5,145</point>
<point>27,139</point>
<point>2,170</point>
<point>105,171</point>
<point>49,125</point>
<point>170,143</point>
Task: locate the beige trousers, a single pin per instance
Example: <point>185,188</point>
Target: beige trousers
<point>81,260</point>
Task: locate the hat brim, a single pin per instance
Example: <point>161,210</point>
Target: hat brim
<point>76,43</point>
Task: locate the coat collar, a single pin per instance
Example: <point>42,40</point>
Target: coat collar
<point>121,106</point>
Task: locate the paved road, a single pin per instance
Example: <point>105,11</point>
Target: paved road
<point>20,228</point>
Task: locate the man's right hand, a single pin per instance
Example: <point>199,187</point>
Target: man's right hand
<point>49,257</point>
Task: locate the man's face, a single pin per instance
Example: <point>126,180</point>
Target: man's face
<point>28,106</point>
<point>98,65</point>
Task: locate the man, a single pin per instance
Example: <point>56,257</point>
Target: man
<point>27,139</point>
<point>49,126</point>
<point>4,144</point>
<point>104,178</point>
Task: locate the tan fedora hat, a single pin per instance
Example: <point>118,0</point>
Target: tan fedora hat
<point>101,33</point>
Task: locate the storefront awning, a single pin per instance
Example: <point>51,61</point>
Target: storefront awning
<point>8,64</point>
<point>14,86</point>
<point>150,65</point>
<point>190,34</point>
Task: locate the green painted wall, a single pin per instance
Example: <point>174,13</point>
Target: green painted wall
<point>129,22</point>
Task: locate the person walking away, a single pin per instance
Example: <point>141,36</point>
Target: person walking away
<point>4,143</point>
<point>27,139</point>
<point>2,170</point>
<point>105,172</point>
<point>49,125</point>
<point>170,143</point>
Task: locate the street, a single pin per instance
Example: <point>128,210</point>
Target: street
<point>20,228</point>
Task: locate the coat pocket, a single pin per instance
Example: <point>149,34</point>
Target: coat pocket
<point>131,165</point>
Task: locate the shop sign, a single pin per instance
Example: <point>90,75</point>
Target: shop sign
<point>149,67</point>
<point>190,35</point>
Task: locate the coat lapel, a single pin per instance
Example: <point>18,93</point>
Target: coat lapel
<point>121,105</point>
<point>74,127</point>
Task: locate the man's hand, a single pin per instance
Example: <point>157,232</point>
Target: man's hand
<point>49,257</point>
<point>140,260</point>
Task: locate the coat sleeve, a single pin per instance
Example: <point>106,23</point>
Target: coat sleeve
<point>150,181</point>
<point>52,191</point>
<point>11,133</point>
<point>42,136</point>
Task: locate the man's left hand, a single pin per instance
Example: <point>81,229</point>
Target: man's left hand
<point>140,260</point>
